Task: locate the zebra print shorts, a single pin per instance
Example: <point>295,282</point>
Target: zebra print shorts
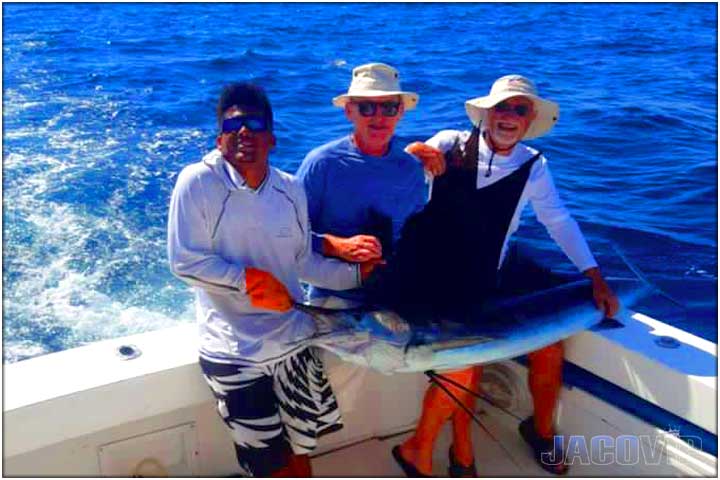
<point>273,410</point>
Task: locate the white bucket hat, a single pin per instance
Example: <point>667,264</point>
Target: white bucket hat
<point>376,80</point>
<point>508,86</point>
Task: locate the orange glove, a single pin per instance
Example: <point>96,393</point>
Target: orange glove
<point>366,268</point>
<point>265,291</point>
<point>432,159</point>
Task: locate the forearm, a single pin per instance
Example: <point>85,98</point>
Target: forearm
<point>329,273</point>
<point>330,245</point>
<point>190,252</point>
<point>559,223</point>
<point>571,241</point>
<point>192,260</point>
<point>594,274</point>
<point>208,272</point>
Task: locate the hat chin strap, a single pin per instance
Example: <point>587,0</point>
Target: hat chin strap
<point>494,150</point>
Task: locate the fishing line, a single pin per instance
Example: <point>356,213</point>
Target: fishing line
<point>434,380</point>
<point>431,373</point>
<point>643,278</point>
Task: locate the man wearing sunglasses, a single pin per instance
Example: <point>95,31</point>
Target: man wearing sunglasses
<point>239,233</point>
<point>502,175</point>
<point>362,187</point>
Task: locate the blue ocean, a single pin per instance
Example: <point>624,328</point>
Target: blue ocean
<point>103,104</point>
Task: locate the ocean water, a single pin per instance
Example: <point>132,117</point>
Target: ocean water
<point>103,104</point>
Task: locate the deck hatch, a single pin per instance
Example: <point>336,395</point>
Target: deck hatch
<point>170,452</point>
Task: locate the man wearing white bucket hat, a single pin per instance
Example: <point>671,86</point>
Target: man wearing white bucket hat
<point>497,176</point>
<point>362,187</point>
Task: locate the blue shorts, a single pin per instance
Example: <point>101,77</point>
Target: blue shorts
<point>273,410</point>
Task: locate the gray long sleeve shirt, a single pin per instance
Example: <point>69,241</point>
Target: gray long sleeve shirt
<point>217,226</point>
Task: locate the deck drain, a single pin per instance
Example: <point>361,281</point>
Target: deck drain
<point>667,342</point>
<point>128,352</point>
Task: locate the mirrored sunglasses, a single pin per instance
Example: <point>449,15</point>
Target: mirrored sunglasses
<point>368,109</point>
<point>251,122</point>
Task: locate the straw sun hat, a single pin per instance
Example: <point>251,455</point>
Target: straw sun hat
<point>376,80</point>
<point>512,86</point>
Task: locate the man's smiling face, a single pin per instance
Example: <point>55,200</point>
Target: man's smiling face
<point>375,130</point>
<point>243,145</point>
<point>509,120</point>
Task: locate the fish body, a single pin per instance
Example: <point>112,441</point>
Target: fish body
<point>503,328</point>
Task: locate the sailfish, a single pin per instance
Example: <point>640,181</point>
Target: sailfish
<point>441,302</point>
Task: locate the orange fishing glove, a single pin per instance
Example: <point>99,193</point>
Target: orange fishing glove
<point>366,268</point>
<point>265,291</point>
<point>433,160</point>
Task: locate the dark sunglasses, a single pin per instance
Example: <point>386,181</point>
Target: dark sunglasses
<point>252,122</point>
<point>520,110</point>
<point>368,109</point>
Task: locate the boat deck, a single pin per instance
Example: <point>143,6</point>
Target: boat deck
<point>505,455</point>
<point>162,409</point>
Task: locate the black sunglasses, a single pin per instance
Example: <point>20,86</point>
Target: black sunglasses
<point>253,123</point>
<point>368,109</point>
<point>520,110</point>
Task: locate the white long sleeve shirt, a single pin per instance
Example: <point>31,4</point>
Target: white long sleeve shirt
<point>217,226</point>
<point>539,190</point>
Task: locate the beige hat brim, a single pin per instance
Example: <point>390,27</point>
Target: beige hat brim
<point>548,112</point>
<point>410,99</point>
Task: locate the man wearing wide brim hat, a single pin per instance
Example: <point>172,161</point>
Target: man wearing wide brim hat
<point>495,176</point>
<point>361,187</point>
<point>546,112</point>
<point>376,80</point>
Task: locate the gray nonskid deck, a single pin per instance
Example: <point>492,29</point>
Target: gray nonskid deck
<point>504,454</point>
<point>373,458</point>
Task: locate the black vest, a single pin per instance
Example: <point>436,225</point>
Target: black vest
<point>445,263</point>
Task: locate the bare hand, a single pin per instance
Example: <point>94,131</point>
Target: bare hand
<point>432,159</point>
<point>605,299</point>
<point>357,249</point>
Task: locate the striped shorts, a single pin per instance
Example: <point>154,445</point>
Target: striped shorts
<point>273,410</point>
